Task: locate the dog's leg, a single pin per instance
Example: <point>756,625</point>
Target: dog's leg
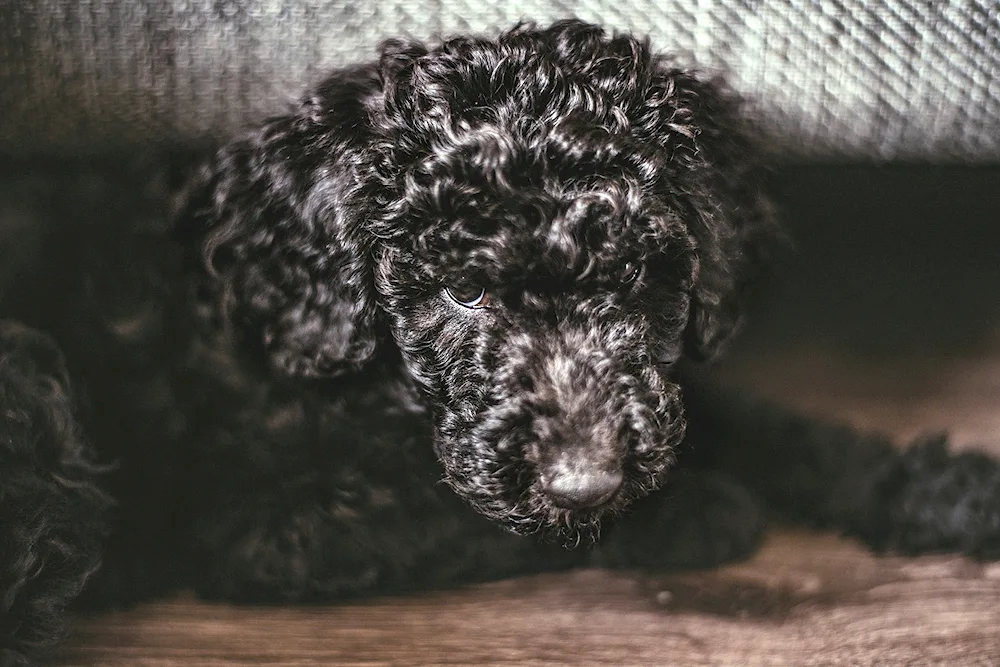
<point>359,508</point>
<point>53,517</point>
<point>910,501</point>
<point>290,545</point>
<point>700,519</point>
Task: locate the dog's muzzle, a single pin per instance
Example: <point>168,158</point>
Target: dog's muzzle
<point>578,438</point>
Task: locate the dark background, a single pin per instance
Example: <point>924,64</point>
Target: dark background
<point>884,260</point>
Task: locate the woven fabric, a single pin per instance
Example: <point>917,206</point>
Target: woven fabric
<point>830,79</point>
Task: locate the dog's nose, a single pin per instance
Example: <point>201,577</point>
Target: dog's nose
<point>578,489</point>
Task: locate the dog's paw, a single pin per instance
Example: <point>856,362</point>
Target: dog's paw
<point>700,519</point>
<point>24,615</point>
<point>48,549</point>
<point>928,500</point>
<point>53,515</point>
<point>296,557</point>
<point>12,658</point>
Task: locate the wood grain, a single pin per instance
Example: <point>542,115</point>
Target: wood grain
<point>805,599</point>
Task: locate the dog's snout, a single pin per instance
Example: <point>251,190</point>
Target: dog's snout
<point>578,489</point>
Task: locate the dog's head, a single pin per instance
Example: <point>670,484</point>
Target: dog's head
<point>541,224</point>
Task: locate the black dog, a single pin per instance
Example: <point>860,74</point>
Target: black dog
<point>480,262</point>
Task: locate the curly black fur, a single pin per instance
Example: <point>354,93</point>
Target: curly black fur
<point>479,261</point>
<point>53,516</point>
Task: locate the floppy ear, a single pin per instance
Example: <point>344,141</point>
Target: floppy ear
<point>275,222</point>
<point>730,218</point>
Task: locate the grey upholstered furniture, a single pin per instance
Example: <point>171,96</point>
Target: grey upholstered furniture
<point>833,79</point>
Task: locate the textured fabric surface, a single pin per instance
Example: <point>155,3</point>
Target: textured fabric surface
<point>832,79</point>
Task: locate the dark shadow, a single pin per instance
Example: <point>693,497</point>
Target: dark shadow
<point>892,259</point>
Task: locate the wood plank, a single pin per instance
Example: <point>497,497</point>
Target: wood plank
<point>804,599</point>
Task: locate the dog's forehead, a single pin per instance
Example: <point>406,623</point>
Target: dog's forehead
<point>502,184</point>
<point>587,229</point>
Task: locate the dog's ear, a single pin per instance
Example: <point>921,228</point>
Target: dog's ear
<point>721,187</point>
<point>275,223</point>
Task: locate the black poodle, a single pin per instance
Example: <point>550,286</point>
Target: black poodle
<point>477,263</point>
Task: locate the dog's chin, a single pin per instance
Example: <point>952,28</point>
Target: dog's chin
<point>550,523</point>
<point>578,527</point>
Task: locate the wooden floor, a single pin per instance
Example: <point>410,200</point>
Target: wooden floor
<point>900,332</point>
<point>804,600</point>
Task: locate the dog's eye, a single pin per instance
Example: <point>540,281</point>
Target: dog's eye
<point>469,296</point>
<point>630,272</point>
